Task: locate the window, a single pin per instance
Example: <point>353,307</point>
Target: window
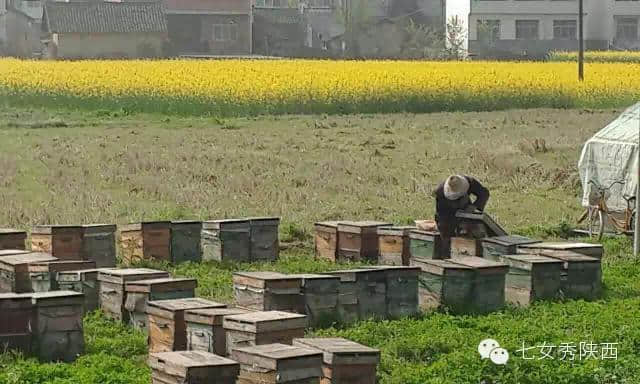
<point>225,32</point>
<point>527,29</point>
<point>488,30</point>
<point>627,28</point>
<point>565,29</point>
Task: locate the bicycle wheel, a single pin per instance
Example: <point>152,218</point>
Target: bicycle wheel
<point>596,224</point>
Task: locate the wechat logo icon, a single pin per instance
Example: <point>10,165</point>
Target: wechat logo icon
<point>490,349</point>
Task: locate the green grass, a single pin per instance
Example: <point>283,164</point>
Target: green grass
<point>598,56</point>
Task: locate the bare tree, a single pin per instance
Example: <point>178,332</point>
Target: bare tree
<point>455,39</point>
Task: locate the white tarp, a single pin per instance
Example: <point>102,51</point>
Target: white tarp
<point>611,155</point>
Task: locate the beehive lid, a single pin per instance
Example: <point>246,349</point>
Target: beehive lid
<point>46,229</point>
<point>510,240</point>
<point>396,231</point>
<point>281,358</point>
<point>350,275</point>
<point>57,298</point>
<point>265,321</point>
<point>396,268</point>
<point>139,226</point>
<point>314,276</point>
<point>164,284</point>
<point>416,233</point>
<point>339,351</point>
<point>211,316</point>
<point>186,223</point>
<point>180,363</point>
<point>264,279</point>
<point>359,226</point>
<point>11,231</point>
<point>526,261</point>
<point>15,301</point>
<point>480,264</point>
<point>264,221</point>
<point>61,265</point>
<point>561,246</point>
<point>100,227</point>
<point>79,275</point>
<point>168,308</point>
<point>569,256</point>
<point>327,224</point>
<point>439,267</point>
<point>495,228</point>
<point>26,258</point>
<point>231,224</point>
<point>120,276</point>
<point>9,252</point>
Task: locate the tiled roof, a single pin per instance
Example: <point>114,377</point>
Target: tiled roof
<point>221,6</point>
<point>278,15</point>
<point>104,17</point>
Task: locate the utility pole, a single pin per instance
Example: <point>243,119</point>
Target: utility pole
<point>581,38</point>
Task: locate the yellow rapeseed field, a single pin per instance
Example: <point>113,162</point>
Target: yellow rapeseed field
<point>598,56</point>
<point>246,87</point>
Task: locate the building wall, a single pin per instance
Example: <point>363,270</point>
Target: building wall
<point>193,34</point>
<point>22,35</point>
<point>3,26</point>
<point>107,45</point>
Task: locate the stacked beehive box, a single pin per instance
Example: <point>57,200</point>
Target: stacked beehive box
<point>43,274</point>
<point>226,240</point>
<point>278,363</point>
<point>581,276</point>
<point>205,331</point>
<point>192,367</point>
<point>443,283</point>
<point>112,288</point>
<point>358,240</point>
<point>140,292</point>
<point>83,281</point>
<point>587,249</point>
<point>370,291</point>
<point>99,244</point>
<point>344,361</point>
<point>258,328</point>
<point>487,285</point>
<point>504,245</point>
<point>12,239</point>
<point>61,241</point>
<point>265,245</point>
<point>326,240</point>
<point>466,246</point>
<point>14,271</point>
<point>146,241</point>
<point>268,291</point>
<point>185,241</point>
<point>167,327</point>
<point>17,322</point>
<point>394,245</point>
<point>426,245</point>
<point>320,293</point>
<point>401,291</point>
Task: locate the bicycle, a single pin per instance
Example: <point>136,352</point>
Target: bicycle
<point>599,212</point>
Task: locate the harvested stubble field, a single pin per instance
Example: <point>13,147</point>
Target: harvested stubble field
<point>90,167</point>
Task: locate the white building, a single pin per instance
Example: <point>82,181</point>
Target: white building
<point>535,27</point>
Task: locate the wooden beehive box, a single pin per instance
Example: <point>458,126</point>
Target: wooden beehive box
<point>146,241</point>
<point>167,328</point>
<point>99,244</point>
<point>112,292</point>
<point>443,283</point>
<point>504,245</point>
<point>278,363</point>
<point>401,290</point>
<point>43,274</point>
<point>326,240</point>
<point>83,281</point>
<point>140,292</point>
<point>426,245</point>
<point>320,293</point>
<point>344,361</point>
<point>358,240</point>
<point>16,322</point>
<point>488,284</point>
<point>205,331</point>
<point>226,240</point>
<point>587,249</point>
<point>348,301</point>
<point>61,241</point>
<point>58,331</point>
<point>192,367</point>
<point>14,271</point>
<point>492,228</point>
<point>12,239</point>
<point>581,275</point>
<point>185,241</point>
<point>530,278</point>
<point>370,290</point>
<point>258,328</point>
<point>464,246</point>
<point>394,245</point>
<point>265,245</point>
<point>268,291</point>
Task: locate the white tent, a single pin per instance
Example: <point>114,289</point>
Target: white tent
<point>611,155</point>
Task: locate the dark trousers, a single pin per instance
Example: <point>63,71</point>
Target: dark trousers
<point>447,230</point>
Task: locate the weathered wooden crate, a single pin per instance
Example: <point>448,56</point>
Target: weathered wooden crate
<point>16,322</point>
<point>348,301</point>
<point>581,275</point>
<point>443,283</point>
<point>491,226</point>
<point>58,332</point>
<point>587,249</point>
<point>344,361</point>
<point>370,290</point>
<point>504,245</point>
<point>205,331</point>
<point>268,291</point>
<point>83,281</point>
<point>265,245</point>
<point>140,292</point>
<point>463,246</point>
<point>146,241</point>
<point>99,244</point>
<point>43,274</point>
<point>278,363</point>
<point>530,278</point>
<point>14,271</point>
<point>488,284</point>
<point>192,367</point>
<point>394,245</point>
<point>326,240</point>
<point>401,290</point>
<point>358,240</point>
<point>226,240</point>
<point>61,241</point>
<point>320,294</point>
<point>258,328</point>
<point>185,241</point>
<point>426,245</point>
<point>112,292</point>
<point>12,239</point>
<point>167,328</point>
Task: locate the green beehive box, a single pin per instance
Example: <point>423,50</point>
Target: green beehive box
<point>226,240</point>
<point>43,275</point>
<point>587,249</point>
<point>370,290</point>
<point>205,331</point>
<point>581,275</point>
<point>442,283</point>
<point>265,244</point>
<point>426,245</point>
<point>185,241</point>
<point>14,271</point>
<point>505,245</point>
<point>83,281</point>
<point>320,293</point>
<point>489,281</point>
<point>402,298</point>
<point>99,244</point>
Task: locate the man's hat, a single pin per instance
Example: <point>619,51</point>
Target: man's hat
<point>455,187</point>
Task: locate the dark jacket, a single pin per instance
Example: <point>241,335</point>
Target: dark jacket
<point>446,209</point>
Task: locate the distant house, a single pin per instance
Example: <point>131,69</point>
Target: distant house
<point>209,27</point>
<point>20,28</point>
<point>279,31</point>
<point>103,30</point>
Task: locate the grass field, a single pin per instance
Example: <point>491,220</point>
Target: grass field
<point>66,167</point>
<point>597,56</point>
